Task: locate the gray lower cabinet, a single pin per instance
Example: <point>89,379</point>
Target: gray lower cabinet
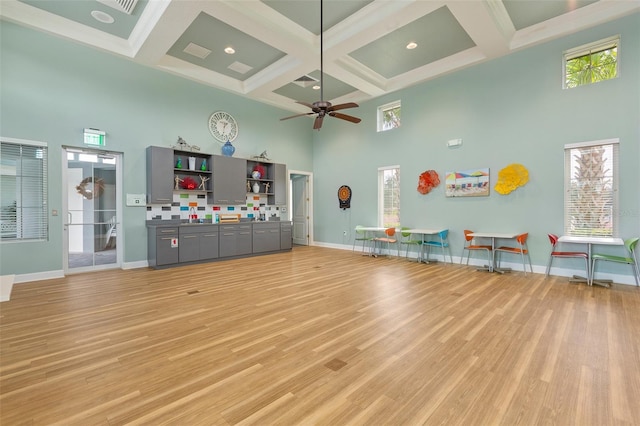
<point>163,246</point>
<point>286,236</point>
<point>266,237</point>
<point>198,242</point>
<point>235,240</point>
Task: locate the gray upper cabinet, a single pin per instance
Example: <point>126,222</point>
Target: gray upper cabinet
<point>279,196</point>
<point>229,182</point>
<point>159,176</point>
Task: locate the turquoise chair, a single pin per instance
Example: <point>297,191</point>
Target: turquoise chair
<point>443,243</point>
<point>630,245</point>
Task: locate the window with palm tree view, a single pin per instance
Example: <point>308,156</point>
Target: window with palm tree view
<point>389,116</point>
<point>591,63</point>
<point>591,189</point>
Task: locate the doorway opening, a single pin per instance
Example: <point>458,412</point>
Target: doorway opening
<point>301,206</point>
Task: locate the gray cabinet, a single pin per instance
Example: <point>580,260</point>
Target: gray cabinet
<point>163,246</point>
<point>229,183</point>
<point>272,183</point>
<point>235,240</point>
<point>266,237</point>
<point>279,176</point>
<point>159,177</point>
<point>286,236</point>
<point>198,242</point>
<point>168,170</point>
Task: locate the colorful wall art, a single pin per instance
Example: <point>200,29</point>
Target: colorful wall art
<point>467,183</point>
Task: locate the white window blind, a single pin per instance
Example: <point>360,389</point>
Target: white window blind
<point>389,196</point>
<point>591,189</point>
<point>23,190</point>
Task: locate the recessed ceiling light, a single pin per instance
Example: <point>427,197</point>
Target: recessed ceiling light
<point>412,45</point>
<point>316,87</point>
<point>103,17</point>
<point>230,50</point>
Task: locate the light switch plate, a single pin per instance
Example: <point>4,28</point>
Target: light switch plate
<point>137,200</point>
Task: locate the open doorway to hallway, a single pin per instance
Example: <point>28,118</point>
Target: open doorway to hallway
<point>301,206</point>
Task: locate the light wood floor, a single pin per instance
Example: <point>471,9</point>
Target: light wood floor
<point>319,336</point>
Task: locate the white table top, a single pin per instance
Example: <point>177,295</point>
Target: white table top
<point>610,241</point>
<point>492,235</point>
<point>370,228</point>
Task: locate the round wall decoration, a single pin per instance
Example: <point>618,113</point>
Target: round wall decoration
<point>90,189</point>
<point>223,126</point>
<point>344,197</point>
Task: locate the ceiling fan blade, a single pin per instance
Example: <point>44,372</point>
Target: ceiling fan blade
<point>318,122</point>
<point>297,115</point>
<point>343,106</point>
<point>345,117</point>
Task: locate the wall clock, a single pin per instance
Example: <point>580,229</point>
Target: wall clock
<point>223,126</point>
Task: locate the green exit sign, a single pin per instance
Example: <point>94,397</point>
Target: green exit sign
<point>94,137</point>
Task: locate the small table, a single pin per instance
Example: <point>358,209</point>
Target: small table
<point>493,236</point>
<point>590,241</point>
<point>423,233</point>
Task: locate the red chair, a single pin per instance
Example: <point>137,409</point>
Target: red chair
<point>468,239</point>
<point>553,239</point>
<point>520,249</point>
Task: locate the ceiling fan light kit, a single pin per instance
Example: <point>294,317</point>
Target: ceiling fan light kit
<point>323,108</point>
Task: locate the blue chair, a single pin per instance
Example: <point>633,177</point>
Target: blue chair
<point>630,245</point>
<point>442,242</point>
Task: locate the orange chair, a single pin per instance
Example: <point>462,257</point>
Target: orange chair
<point>468,239</point>
<point>520,249</point>
<point>553,239</point>
<point>389,238</point>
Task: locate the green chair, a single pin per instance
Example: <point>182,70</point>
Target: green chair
<point>630,245</point>
<point>408,241</point>
<point>443,243</point>
<point>361,235</point>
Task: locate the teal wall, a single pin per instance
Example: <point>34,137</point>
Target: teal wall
<point>508,110</point>
<point>51,89</point>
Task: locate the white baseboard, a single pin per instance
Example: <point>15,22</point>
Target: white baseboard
<point>136,265</point>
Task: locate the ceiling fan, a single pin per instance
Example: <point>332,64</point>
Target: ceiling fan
<point>323,108</point>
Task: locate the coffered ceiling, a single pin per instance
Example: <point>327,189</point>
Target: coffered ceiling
<point>277,42</point>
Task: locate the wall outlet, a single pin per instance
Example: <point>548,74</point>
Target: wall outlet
<point>344,233</point>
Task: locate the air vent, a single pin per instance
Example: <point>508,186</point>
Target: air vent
<point>197,50</point>
<point>125,6</point>
<point>240,67</point>
<point>305,81</point>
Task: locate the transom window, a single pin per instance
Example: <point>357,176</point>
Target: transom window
<point>591,63</point>
<point>591,189</point>
<point>389,116</point>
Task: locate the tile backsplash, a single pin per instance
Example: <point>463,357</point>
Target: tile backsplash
<point>183,201</point>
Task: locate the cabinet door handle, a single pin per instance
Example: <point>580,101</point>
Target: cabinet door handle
<point>162,199</point>
<point>166,238</point>
<point>171,231</point>
<point>210,235</point>
<point>229,234</point>
<point>223,201</point>
<point>190,236</point>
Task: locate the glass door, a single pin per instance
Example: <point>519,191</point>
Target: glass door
<point>91,210</point>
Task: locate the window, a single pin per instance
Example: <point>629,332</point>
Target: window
<point>389,196</point>
<point>23,190</point>
<point>591,189</point>
<point>591,63</point>
<point>389,116</point>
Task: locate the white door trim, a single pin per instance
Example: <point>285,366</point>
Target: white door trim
<point>309,176</point>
